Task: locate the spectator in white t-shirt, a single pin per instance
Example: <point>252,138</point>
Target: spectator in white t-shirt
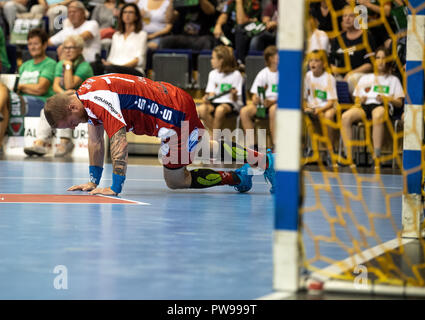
<point>87,29</point>
<point>376,94</point>
<point>320,95</point>
<point>223,79</point>
<point>267,80</point>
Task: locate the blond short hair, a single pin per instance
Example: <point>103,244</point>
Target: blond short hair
<point>76,39</point>
<point>56,109</point>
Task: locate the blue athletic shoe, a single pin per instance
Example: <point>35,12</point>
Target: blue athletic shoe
<point>270,173</point>
<point>246,178</point>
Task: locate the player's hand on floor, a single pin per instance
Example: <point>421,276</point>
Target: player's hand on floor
<point>89,186</point>
<point>103,191</point>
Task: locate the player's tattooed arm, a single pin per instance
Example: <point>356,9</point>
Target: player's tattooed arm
<point>119,152</point>
<point>96,145</point>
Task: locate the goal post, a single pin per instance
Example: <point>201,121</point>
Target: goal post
<point>413,121</point>
<point>290,40</point>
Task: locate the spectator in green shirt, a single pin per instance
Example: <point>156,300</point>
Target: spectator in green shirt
<point>36,75</point>
<point>69,74</point>
<point>35,80</point>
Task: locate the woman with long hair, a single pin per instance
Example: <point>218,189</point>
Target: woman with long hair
<point>129,44</point>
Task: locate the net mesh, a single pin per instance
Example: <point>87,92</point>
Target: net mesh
<point>352,209</point>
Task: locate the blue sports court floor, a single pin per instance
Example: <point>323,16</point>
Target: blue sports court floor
<point>209,244</point>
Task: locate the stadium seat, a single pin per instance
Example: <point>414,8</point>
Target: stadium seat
<point>343,92</point>
<point>204,68</point>
<point>12,56</point>
<point>173,66</point>
<point>253,65</point>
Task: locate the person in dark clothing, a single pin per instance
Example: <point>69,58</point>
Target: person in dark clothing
<point>192,29</point>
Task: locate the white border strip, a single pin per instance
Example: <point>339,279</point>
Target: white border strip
<point>288,153</point>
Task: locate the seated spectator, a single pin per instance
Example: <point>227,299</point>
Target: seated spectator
<point>55,10</point>
<point>129,44</point>
<point>106,15</point>
<point>157,19</point>
<point>35,81</point>
<point>320,95</point>
<point>266,81</point>
<point>374,95</point>
<point>268,37</point>
<point>318,40</point>
<point>192,27</point>
<point>231,24</point>
<point>5,64</point>
<point>69,74</point>
<point>36,75</point>
<point>323,14</point>
<point>376,21</point>
<point>12,8</point>
<point>87,29</point>
<point>223,79</point>
<point>357,43</point>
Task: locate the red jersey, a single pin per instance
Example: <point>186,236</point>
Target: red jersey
<point>145,107</point>
<point>139,104</point>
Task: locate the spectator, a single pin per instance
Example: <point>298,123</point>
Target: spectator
<point>320,95</point>
<point>192,27</point>
<point>157,19</point>
<point>87,29</point>
<point>359,46</point>
<point>268,37</point>
<point>375,96</point>
<point>12,8</point>
<point>129,44</point>
<point>69,74</point>
<point>35,82</point>
<point>323,13</point>
<point>318,40</point>
<point>379,32</point>
<point>106,15</point>
<point>55,10</point>
<point>267,80</point>
<point>5,64</point>
<point>223,78</point>
<point>36,75</point>
<point>231,24</point>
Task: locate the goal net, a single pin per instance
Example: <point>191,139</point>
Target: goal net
<point>358,224</point>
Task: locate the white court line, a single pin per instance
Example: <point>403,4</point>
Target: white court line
<point>132,201</point>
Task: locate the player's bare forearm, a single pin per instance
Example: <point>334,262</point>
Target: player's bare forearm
<point>96,145</point>
<point>119,152</point>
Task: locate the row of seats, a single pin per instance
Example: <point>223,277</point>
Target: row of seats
<point>180,65</point>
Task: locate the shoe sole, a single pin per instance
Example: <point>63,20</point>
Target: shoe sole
<point>33,153</point>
